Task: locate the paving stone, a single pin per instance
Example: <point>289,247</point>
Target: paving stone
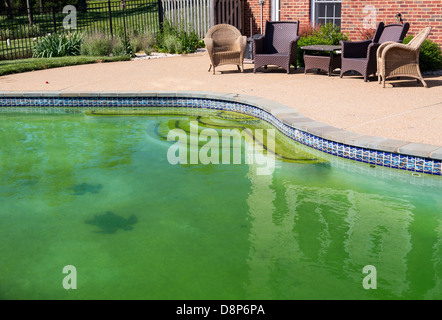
<point>418,149</point>
<point>436,154</point>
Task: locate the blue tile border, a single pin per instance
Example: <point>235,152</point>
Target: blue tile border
<point>262,109</point>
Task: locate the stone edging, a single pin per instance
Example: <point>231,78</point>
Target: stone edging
<point>426,154</point>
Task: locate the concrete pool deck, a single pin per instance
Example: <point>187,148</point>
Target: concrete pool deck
<point>402,112</point>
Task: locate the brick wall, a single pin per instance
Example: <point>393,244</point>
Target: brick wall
<point>295,10</point>
<point>419,13</point>
<point>252,13</point>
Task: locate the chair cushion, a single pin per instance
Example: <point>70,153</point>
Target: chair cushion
<point>278,54</point>
<point>356,60</point>
<point>221,49</point>
<point>227,54</point>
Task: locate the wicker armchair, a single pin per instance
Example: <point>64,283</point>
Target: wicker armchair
<point>225,45</point>
<point>278,45</point>
<point>401,60</point>
<point>360,56</point>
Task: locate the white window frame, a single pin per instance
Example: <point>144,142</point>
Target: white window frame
<point>314,18</point>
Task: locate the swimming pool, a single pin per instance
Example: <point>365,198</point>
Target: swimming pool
<point>99,193</point>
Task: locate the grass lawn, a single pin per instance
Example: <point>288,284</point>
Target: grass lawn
<point>139,15</point>
<point>24,65</point>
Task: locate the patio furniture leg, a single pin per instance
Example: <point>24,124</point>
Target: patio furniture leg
<point>210,67</point>
<point>422,79</point>
<point>330,63</point>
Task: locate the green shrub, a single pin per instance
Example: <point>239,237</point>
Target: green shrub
<point>328,34</point>
<point>142,41</point>
<point>58,45</point>
<point>430,56</point>
<point>125,42</point>
<point>309,41</point>
<point>118,48</point>
<point>172,44</point>
<point>177,40</point>
<point>125,46</point>
<point>100,44</point>
<point>165,30</point>
<point>332,33</point>
<point>189,41</point>
<point>97,44</point>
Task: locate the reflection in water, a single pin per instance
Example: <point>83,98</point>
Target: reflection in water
<point>378,234</point>
<point>262,233</point>
<point>83,188</point>
<point>435,292</point>
<point>314,241</point>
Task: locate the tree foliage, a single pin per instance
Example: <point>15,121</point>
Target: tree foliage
<point>37,4</point>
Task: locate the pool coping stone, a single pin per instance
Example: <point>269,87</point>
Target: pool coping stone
<point>283,113</point>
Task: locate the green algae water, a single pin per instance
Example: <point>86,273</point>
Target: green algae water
<point>99,194</point>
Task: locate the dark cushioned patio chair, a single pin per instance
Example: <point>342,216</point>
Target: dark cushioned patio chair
<point>360,56</point>
<point>278,45</point>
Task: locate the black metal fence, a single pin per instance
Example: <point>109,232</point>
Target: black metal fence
<point>19,29</point>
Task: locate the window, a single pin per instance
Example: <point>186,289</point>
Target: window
<point>326,11</point>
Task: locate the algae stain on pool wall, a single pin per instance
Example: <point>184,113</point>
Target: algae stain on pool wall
<point>110,222</point>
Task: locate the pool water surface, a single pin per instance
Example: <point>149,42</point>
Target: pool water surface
<point>97,192</point>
